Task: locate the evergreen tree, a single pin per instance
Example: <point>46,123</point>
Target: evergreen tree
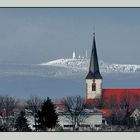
<point>21,124</point>
<point>47,117</point>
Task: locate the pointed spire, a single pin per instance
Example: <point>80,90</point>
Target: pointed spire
<point>93,59</point>
<point>94,71</point>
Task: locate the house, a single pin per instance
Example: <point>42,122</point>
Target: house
<point>92,119</point>
<point>136,116</point>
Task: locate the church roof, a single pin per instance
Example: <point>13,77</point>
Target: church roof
<point>94,72</point>
<point>117,91</point>
<point>95,75</point>
<point>116,95</point>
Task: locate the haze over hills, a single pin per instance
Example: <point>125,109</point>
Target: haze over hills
<point>62,77</point>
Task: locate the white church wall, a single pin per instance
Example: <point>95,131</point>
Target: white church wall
<point>94,94</point>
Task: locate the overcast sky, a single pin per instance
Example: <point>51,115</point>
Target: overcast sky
<point>36,35</point>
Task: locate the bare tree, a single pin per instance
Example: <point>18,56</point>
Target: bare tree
<point>129,103</point>
<point>122,107</point>
<point>34,104</point>
<point>7,106</point>
<point>95,103</point>
<point>74,110</point>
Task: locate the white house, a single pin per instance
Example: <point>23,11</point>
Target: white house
<point>92,120</point>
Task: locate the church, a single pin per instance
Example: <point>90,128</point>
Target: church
<point>102,103</point>
<point>94,81</point>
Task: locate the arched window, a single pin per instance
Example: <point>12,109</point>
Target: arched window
<point>93,86</point>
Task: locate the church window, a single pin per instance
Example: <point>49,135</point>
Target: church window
<point>93,86</point>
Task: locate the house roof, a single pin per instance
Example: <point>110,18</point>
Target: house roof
<point>106,112</point>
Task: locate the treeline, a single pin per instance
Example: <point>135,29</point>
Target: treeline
<point>13,114</point>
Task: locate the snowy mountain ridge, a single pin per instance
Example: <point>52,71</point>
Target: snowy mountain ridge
<point>82,64</point>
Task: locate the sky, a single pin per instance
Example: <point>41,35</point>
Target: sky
<point>37,35</point>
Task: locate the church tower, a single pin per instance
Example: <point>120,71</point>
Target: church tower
<point>93,78</point>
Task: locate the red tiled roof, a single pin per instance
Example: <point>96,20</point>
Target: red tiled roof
<point>131,94</point>
<point>117,95</point>
<point>121,91</point>
<point>106,112</point>
<point>60,106</point>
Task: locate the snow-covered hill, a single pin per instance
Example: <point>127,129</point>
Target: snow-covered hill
<point>83,64</point>
<point>69,63</point>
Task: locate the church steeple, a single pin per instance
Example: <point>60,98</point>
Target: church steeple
<point>94,72</point>
<point>94,78</point>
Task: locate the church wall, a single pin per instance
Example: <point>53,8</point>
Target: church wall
<point>94,94</point>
